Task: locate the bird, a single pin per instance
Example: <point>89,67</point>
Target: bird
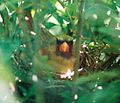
<point>59,64</point>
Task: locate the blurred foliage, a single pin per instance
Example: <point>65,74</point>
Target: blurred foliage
<point>29,29</point>
<point>7,82</point>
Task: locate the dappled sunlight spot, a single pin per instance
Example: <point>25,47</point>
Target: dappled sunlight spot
<point>56,30</point>
<point>117,59</point>
<point>100,87</point>
<point>34,78</point>
<point>81,52</point>
<point>9,13</point>
<point>15,50</point>
<point>65,23</point>
<point>19,80</point>
<point>41,25</point>
<point>98,77</point>
<point>102,56</point>
<point>91,43</point>
<point>96,85</point>
<point>117,26</point>
<point>17,20</point>
<point>12,56</point>
<point>118,9</point>
<point>81,69</point>
<point>30,63</point>
<point>107,46</point>
<point>107,21</point>
<point>59,6</point>
<point>20,3</point>
<point>32,33</point>
<point>26,18</point>
<point>114,1</point>
<point>33,13</point>
<point>1,19</point>
<point>95,16</point>
<point>68,74</point>
<point>23,45</point>
<point>108,12</point>
<point>75,96</point>
<point>47,16</point>
<point>84,46</point>
<point>52,19</point>
<point>96,61</point>
<point>16,78</point>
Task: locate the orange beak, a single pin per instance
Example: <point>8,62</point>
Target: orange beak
<point>64,47</point>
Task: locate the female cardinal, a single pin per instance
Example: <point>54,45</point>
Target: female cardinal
<point>59,64</point>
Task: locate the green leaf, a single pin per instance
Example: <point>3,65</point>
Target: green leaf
<point>64,37</point>
<point>71,10</point>
<point>117,2</point>
<point>8,46</point>
<point>1,28</point>
<point>49,25</point>
<point>56,30</point>
<point>111,36</point>
<point>67,95</point>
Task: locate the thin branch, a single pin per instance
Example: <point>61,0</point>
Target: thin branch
<point>79,37</point>
<point>78,45</point>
